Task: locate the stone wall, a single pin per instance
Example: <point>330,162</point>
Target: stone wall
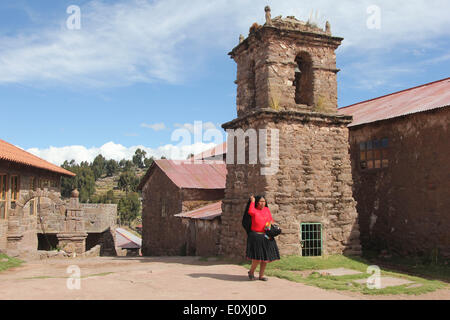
<point>313,183</point>
<point>404,208</point>
<point>162,233</point>
<point>99,217</point>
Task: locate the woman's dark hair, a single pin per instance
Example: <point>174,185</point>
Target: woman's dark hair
<point>257,198</point>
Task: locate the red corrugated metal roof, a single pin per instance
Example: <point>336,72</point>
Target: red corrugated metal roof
<point>207,212</point>
<point>220,149</point>
<point>12,153</point>
<point>198,174</point>
<point>422,98</point>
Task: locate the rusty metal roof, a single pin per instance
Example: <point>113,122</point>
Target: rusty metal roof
<point>188,174</point>
<point>12,153</point>
<point>418,99</point>
<point>207,212</point>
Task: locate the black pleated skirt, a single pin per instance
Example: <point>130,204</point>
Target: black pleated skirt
<point>261,249</point>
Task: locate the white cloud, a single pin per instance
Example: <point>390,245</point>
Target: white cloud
<point>199,125</point>
<point>155,126</point>
<point>134,41</point>
<point>111,150</point>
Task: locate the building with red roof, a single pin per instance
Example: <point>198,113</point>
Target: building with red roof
<point>400,151</point>
<point>34,217</point>
<point>181,207</point>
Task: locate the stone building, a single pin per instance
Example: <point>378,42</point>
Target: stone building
<point>400,151</point>
<point>170,189</point>
<point>286,84</point>
<point>34,217</point>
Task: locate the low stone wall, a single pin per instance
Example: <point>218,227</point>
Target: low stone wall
<point>99,217</point>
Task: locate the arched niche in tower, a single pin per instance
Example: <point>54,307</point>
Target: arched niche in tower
<point>304,79</point>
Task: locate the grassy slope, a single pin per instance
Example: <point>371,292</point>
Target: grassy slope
<point>104,184</point>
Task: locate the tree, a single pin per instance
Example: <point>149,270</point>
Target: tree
<point>148,162</point>
<point>128,181</point>
<point>112,167</point>
<point>129,208</point>
<point>126,165</point>
<point>68,183</point>
<point>139,157</point>
<point>107,197</point>
<point>99,166</point>
<point>84,180</point>
<point>85,183</point>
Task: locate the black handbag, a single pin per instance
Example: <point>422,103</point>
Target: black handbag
<point>273,232</point>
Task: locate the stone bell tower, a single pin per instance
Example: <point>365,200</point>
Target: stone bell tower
<point>287,86</point>
<point>287,64</point>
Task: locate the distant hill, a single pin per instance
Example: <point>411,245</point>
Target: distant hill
<point>104,184</point>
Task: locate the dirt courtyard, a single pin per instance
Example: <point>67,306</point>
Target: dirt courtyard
<point>158,278</point>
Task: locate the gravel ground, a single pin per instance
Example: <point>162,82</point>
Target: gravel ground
<point>160,278</point>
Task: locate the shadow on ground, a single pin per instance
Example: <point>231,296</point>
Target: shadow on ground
<point>187,260</point>
<point>224,277</point>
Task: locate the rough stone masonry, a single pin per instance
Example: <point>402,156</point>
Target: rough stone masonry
<point>286,80</point>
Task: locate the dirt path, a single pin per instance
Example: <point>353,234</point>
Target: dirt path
<point>166,278</point>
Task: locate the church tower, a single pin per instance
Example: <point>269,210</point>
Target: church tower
<point>287,64</point>
<point>287,88</point>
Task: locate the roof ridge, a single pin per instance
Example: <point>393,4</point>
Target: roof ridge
<point>36,158</point>
<point>397,92</point>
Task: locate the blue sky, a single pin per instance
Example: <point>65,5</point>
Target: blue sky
<point>138,70</point>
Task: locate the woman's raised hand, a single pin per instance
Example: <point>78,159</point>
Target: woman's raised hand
<point>252,198</point>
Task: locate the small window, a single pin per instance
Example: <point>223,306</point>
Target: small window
<point>33,184</point>
<point>3,196</point>
<point>15,189</point>
<point>311,239</point>
<point>374,154</point>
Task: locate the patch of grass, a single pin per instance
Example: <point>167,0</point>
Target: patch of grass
<point>419,266</point>
<point>97,275</point>
<point>289,268</point>
<point>41,277</point>
<point>7,262</point>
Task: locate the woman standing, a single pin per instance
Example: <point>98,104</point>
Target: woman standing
<point>260,249</point>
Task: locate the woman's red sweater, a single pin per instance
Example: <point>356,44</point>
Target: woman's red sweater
<point>259,217</point>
